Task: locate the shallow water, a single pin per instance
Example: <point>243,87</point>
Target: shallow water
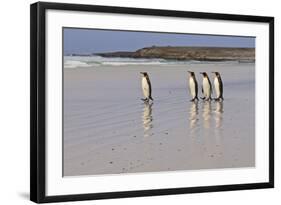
<point>109,130</point>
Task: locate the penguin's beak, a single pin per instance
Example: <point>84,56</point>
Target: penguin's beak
<point>189,71</point>
<point>201,73</point>
<point>141,73</point>
<point>213,72</point>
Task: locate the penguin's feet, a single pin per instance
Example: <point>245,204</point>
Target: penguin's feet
<point>194,99</point>
<point>144,99</point>
<point>207,99</point>
<point>218,99</point>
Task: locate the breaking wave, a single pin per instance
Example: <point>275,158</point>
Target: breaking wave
<point>92,61</point>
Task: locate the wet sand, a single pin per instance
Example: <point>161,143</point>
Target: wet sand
<point>109,130</point>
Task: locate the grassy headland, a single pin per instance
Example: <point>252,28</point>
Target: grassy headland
<point>188,53</point>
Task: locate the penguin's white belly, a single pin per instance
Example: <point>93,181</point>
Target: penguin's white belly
<point>145,88</point>
<point>192,87</point>
<point>206,88</point>
<point>217,87</point>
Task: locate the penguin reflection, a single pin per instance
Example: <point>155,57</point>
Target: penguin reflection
<point>206,114</point>
<point>193,112</point>
<point>147,118</point>
<point>218,118</point>
<point>218,114</point>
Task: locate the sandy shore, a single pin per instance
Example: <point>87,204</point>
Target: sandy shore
<point>109,130</point>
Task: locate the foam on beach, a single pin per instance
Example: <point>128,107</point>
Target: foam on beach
<point>93,61</point>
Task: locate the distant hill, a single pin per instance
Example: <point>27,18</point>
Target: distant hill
<point>188,53</point>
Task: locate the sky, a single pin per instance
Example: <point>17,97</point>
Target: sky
<point>85,41</point>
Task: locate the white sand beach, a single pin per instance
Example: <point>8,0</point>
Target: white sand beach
<point>109,130</point>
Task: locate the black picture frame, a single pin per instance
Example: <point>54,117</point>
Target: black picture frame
<point>38,101</point>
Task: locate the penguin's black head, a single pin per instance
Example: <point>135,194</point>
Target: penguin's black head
<point>191,73</point>
<point>144,74</point>
<point>204,74</point>
<point>216,73</point>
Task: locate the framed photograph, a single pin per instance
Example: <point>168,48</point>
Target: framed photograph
<point>129,102</point>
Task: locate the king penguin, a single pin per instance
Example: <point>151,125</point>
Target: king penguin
<point>218,86</point>
<point>206,87</point>
<point>146,87</point>
<point>193,86</point>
